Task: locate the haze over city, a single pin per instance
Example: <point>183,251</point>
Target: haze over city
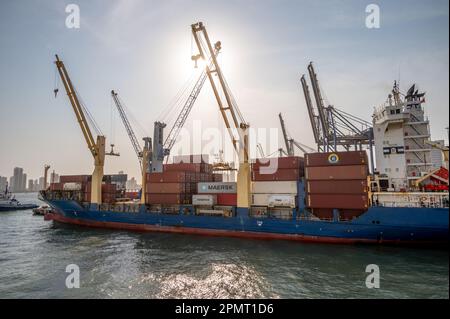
<point>143,50</point>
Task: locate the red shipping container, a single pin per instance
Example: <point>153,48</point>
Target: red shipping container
<point>167,188</point>
<point>341,201</point>
<point>168,177</point>
<point>183,167</point>
<point>337,172</point>
<point>336,158</point>
<point>337,187</point>
<point>106,188</point>
<point>217,178</point>
<point>290,162</point>
<point>226,199</point>
<point>75,178</point>
<point>279,175</point>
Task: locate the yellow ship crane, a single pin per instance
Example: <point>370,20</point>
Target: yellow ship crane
<point>234,121</point>
<point>96,147</point>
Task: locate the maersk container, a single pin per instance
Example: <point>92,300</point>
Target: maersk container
<point>217,188</point>
<point>204,200</point>
<point>283,187</point>
<point>274,200</point>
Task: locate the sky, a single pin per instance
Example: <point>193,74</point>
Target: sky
<point>142,49</point>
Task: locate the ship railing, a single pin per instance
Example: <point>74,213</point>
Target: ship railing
<point>417,199</point>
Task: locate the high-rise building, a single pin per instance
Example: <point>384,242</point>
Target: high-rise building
<point>23,187</point>
<point>41,183</point>
<point>18,185</point>
<point>30,185</point>
<point>3,183</point>
<point>54,178</point>
<point>132,184</point>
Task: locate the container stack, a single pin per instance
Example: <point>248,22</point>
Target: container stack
<point>275,186</point>
<point>225,193</point>
<point>278,169</point>
<point>79,186</point>
<point>177,183</point>
<point>337,181</point>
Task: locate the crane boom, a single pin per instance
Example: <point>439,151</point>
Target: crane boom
<point>129,129</point>
<point>97,148</point>
<point>231,115</point>
<point>312,117</point>
<point>73,98</point>
<point>319,102</point>
<point>287,140</point>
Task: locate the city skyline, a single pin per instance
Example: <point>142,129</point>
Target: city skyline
<point>128,46</point>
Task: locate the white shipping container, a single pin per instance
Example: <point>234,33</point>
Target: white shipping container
<point>217,187</point>
<point>274,200</point>
<point>204,200</point>
<point>72,186</point>
<point>285,187</point>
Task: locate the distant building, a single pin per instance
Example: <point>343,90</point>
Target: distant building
<point>3,184</point>
<point>41,183</point>
<point>54,178</point>
<point>132,184</point>
<point>30,185</point>
<point>19,180</point>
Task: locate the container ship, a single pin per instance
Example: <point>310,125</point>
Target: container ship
<point>333,194</point>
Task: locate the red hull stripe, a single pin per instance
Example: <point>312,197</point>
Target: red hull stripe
<point>215,232</point>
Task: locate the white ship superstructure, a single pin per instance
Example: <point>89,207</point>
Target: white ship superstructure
<point>403,148</point>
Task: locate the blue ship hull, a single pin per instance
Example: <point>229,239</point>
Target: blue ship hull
<point>377,225</point>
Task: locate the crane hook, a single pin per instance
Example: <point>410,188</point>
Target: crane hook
<point>56,92</point>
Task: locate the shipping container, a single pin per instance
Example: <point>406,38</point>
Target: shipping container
<point>75,178</point>
<point>350,172</point>
<point>183,167</point>
<point>72,186</point>
<point>279,175</point>
<point>290,162</point>
<point>227,199</point>
<point>337,187</point>
<point>274,200</point>
<point>164,199</point>
<point>217,187</point>
<point>168,177</point>
<point>168,188</point>
<point>203,199</point>
<point>283,187</point>
<point>106,188</point>
<point>338,201</point>
<point>217,178</point>
<point>336,159</point>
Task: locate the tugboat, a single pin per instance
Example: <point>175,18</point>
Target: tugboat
<point>8,203</point>
<point>42,210</point>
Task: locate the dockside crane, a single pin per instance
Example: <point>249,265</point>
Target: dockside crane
<point>236,126</point>
<point>95,146</point>
<point>134,141</point>
<point>290,142</point>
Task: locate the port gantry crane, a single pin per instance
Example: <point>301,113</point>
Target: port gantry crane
<point>143,153</point>
<point>96,147</point>
<point>290,142</point>
<point>334,128</point>
<point>234,121</point>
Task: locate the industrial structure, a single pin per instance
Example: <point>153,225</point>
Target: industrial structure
<point>334,129</point>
